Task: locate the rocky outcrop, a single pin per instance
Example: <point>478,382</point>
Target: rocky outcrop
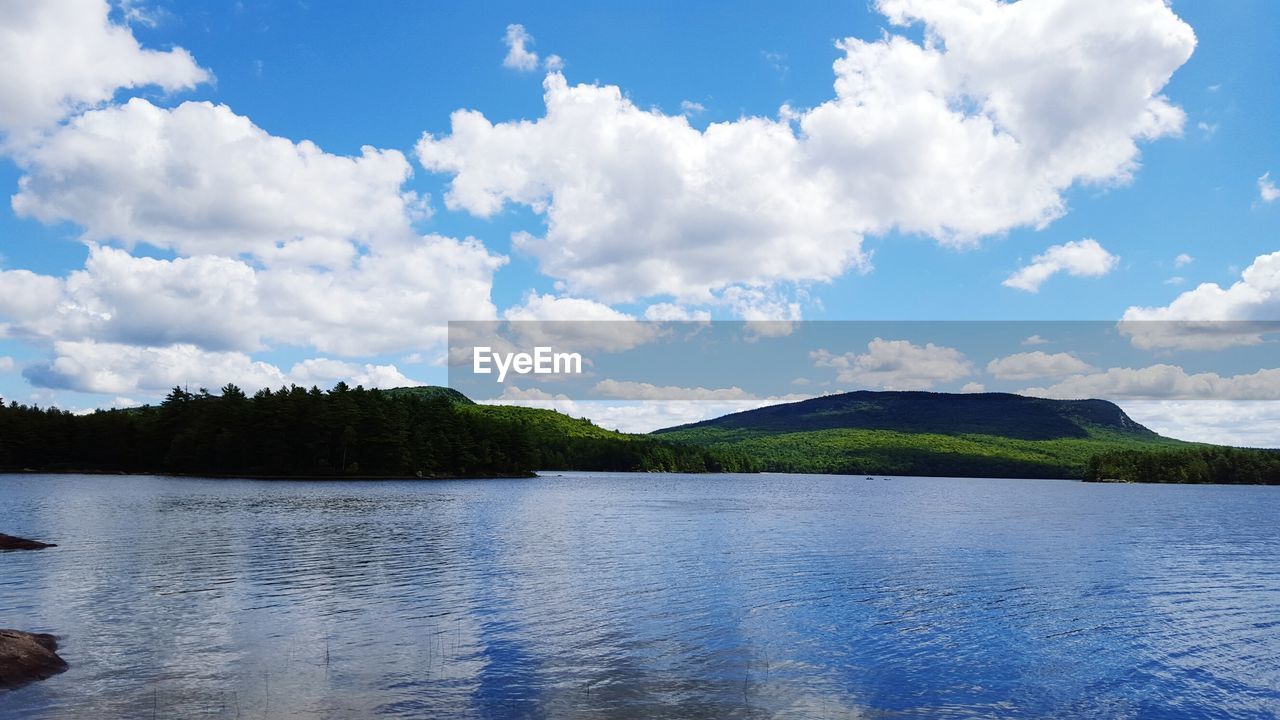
<point>27,657</point>
<point>9,542</point>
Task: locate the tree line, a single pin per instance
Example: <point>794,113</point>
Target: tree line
<point>301,432</point>
<point>1200,464</point>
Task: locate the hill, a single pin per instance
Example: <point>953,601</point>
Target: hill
<point>922,433</point>
<point>560,442</point>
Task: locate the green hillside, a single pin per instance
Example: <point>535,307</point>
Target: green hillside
<point>560,442</point>
<point>919,433</point>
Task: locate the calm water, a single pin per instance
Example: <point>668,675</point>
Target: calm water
<point>649,596</point>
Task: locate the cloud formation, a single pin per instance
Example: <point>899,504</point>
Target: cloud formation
<point>1211,316</point>
<point>199,179</point>
<point>897,365</point>
<point>1037,364</point>
<point>1079,258</point>
<point>976,131</point>
<point>519,56</point>
<point>113,368</point>
<point>58,57</point>
<point>1267,189</point>
<point>1164,381</point>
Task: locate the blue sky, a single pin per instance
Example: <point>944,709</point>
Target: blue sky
<point>345,76</point>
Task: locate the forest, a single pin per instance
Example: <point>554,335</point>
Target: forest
<point>344,432</point>
<point>1198,464</point>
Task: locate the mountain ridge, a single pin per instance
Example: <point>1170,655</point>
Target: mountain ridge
<point>926,433</point>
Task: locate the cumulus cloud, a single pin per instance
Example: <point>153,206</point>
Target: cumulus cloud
<point>1210,316</point>
<point>670,211</point>
<point>973,387</point>
<point>548,307</point>
<point>1164,381</point>
<point>978,130</point>
<point>1035,340</point>
<point>275,242</point>
<point>519,56</point>
<point>1240,423</point>
<point>388,301</point>
<point>689,107</point>
<point>1182,260</point>
<point>631,390</point>
<point>1029,365</point>
<point>667,312</point>
<point>896,365</point>
<point>1267,189</point>
<point>200,179</point>
<point>1079,258</point>
<point>576,324</point>
<point>113,368</point>
<point>58,57</point>
<point>6,364</point>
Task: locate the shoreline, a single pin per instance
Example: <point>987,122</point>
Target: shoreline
<point>550,473</point>
<point>267,477</point>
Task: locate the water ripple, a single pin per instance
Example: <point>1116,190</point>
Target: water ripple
<point>646,597</point>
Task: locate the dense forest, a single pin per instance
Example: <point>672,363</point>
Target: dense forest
<point>1200,464</point>
<point>353,432</point>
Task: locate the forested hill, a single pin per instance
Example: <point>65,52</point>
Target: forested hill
<point>1000,414</point>
<point>991,434</point>
<point>344,432</point>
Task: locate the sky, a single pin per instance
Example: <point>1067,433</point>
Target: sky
<point>276,192</point>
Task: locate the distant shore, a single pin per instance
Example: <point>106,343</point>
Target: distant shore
<point>263,476</point>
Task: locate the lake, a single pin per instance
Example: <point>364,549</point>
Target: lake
<point>645,596</point>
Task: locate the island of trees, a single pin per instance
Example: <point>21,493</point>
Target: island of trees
<point>344,432</point>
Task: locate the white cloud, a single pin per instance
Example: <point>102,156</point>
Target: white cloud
<point>386,301</point>
<point>547,307</point>
<point>576,325</point>
<point>973,387</point>
<point>689,107</point>
<point>1210,316</point>
<point>668,312</point>
<point>1175,280</point>
<point>1079,258</point>
<point>1182,260</point>
<point>275,242</point>
<point>1035,340</point>
<point>631,390</point>
<point>6,364</point>
<point>137,12</point>
<point>896,365</point>
<point>977,131</point>
<point>113,368</point>
<point>1227,422</point>
<point>58,57</point>
<point>1267,188</point>
<point>1028,365</point>
<point>1164,381</point>
<point>519,56</point>
<point>671,211</point>
<point>326,372</point>
<point>200,179</point>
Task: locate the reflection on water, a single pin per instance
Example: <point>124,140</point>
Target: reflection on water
<point>647,596</point>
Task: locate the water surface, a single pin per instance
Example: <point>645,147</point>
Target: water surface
<point>649,596</point>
